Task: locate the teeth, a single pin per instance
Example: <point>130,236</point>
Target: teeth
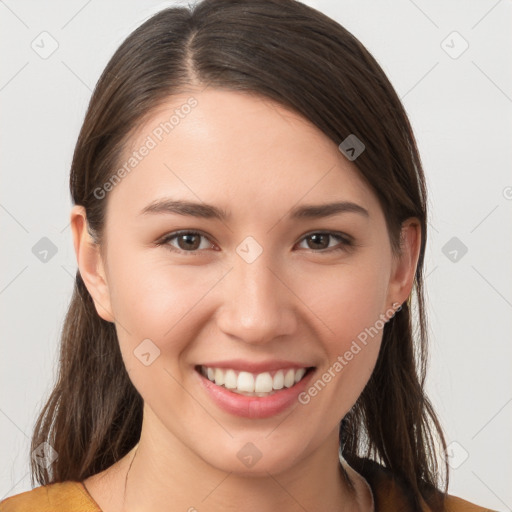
<point>230,380</point>
<point>289,378</point>
<point>219,377</point>
<point>299,374</point>
<point>260,384</point>
<point>245,382</point>
<point>263,383</point>
<point>278,380</point>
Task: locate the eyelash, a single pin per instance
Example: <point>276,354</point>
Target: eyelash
<point>345,241</point>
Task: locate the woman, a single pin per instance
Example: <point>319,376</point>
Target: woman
<point>250,225</point>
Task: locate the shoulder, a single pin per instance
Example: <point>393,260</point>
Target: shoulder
<point>66,496</point>
<point>455,504</point>
<point>391,495</point>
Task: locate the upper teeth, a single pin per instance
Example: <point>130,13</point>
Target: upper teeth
<point>246,382</point>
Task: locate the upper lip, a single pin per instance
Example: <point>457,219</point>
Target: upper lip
<point>255,367</point>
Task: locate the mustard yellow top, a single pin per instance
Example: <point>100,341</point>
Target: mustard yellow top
<point>71,496</point>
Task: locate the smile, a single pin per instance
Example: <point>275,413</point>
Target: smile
<point>254,384</point>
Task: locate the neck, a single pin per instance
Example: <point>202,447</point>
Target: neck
<point>164,474</point>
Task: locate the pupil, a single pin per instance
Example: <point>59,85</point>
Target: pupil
<point>316,238</point>
<point>188,241</point>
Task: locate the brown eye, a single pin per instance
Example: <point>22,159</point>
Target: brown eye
<point>186,242</point>
<point>189,241</point>
<point>320,242</point>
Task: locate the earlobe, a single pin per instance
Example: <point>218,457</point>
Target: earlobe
<point>404,269</point>
<point>90,263</point>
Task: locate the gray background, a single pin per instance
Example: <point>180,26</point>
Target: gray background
<point>460,105</point>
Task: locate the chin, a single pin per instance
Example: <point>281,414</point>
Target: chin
<point>253,459</point>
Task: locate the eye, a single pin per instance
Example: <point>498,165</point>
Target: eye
<point>320,241</point>
<point>186,242</point>
<point>189,242</point>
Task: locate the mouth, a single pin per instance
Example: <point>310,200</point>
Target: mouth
<point>254,384</point>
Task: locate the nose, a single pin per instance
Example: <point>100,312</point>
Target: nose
<point>257,306</point>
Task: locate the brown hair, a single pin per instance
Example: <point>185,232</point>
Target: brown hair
<point>294,55</point>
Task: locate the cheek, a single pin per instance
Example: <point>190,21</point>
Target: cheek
<point>152,299</point>
<point>349,301</point>
<point>157,308</point>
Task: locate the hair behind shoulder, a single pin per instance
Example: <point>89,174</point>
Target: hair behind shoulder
<point>292,54</point>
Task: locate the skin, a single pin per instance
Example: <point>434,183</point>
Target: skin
<point>256,160</point>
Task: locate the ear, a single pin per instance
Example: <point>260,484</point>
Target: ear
<point>90,263</point>
<point>404,266</point>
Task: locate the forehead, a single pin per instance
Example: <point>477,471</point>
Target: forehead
<point>234,149</point>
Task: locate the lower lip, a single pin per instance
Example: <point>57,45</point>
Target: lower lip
<point>254,406</point>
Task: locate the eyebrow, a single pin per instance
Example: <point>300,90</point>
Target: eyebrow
<point>207,211</point>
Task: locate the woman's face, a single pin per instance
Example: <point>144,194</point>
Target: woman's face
<point>254,296</point>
